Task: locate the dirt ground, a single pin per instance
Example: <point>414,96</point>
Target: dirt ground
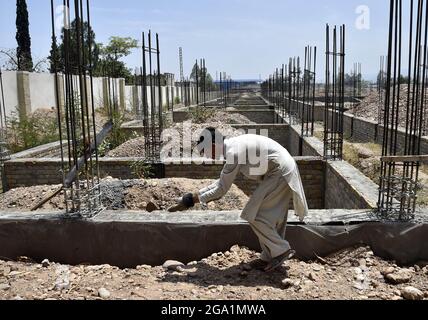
<point>369,106</point>
<point>188,129</point>
<point>160,194</point>
<point>353,274</point>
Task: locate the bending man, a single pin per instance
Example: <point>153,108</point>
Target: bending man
<point>264,160</point>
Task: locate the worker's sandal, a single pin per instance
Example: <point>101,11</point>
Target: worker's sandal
<point>278,261</point>
<point>258,264</point>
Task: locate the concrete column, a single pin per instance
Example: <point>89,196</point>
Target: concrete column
<point>105,93</point>
<point>122,99</point>
<point>60,94</point>
<point>24,97</point>
<point>135,98</point>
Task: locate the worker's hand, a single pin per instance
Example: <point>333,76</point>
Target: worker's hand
<point>186,202</point>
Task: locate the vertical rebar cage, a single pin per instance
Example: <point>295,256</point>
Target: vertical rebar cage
<point>151,103</point>
<point>334,94</point>
<point>76,111</point>
<point>404,108</point>
<point>308,106</point>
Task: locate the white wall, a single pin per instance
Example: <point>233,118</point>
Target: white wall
<point>42,91</point>
<point>10,91</point>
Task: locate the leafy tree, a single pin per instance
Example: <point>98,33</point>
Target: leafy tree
<point>71,35</point>
<point>23,51</point>
<point>112,53</point>
<point>209,83</point>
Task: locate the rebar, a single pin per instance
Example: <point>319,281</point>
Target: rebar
<point>399,179</point>
<point>152,104</point>
<point>79,144</point>
<point>334,94</point>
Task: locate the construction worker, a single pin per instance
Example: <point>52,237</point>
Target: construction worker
<point>262,159</point>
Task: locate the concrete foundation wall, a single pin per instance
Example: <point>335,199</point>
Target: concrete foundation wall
<point>129,239</point>
<point>345,186</point>
<point>363,130</point>
<point>31,172</point>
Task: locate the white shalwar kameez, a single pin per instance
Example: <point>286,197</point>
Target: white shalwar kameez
<point>267,209</point>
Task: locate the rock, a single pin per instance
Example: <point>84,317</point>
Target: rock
<point>317,267</point>
<point>4,286</point>
<point>411,293</point>
<point>193,263</point>
<point>227,254</point>
<point>173,265</point>
<point>235,249</point>
<point>18,298</point>
<point>152,207</point>
<point>45,263</point>
<point>357,271</point>
<point>103,293</point>
<point>400,277</point>
<point>287,283</point>
<point>388,270</point>
<point>313,277</point>
<point>362,262</point>
<point>144,267</point>
<point>426,295</point>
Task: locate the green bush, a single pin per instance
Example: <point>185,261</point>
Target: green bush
<point>34,130</point>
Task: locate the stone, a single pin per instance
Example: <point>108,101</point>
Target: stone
<point>193,263</point>
<point>103,293</point>
<point>4,286</point>
<point>400,277</point>
<point>388,270</point>
<point>144,267</point>
<point>411,293</point>
<point>173,265</point>
<point>317,267</point>
<point>152,207</point>
<point>287,283</point>
<point>362,262</point>
<point>45,263</point>
<point>313,277</point>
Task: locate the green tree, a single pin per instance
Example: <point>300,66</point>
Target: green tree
<point>55,57</point>
<point>209,83</point>
<point>111,54</point>
<point>23,51</point>
<point>71,36</point>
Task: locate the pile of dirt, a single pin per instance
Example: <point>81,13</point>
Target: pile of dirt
<point>353,274</point>
<point>159,194</point>
<point>369,107</point>
<point>131,148</point>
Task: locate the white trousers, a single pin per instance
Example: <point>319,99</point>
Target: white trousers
<point>271,221</point>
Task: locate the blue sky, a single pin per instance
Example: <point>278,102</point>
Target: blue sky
<point>245,38</point>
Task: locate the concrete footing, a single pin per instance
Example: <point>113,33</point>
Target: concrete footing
<point>128,239</point>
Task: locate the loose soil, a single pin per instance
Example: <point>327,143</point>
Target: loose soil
<point>353,274</point>
<point>127,195</point>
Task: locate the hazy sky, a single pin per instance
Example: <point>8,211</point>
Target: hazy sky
<point>245,38</point>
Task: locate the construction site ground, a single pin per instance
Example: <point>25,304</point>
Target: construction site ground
<point>353,274</point>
